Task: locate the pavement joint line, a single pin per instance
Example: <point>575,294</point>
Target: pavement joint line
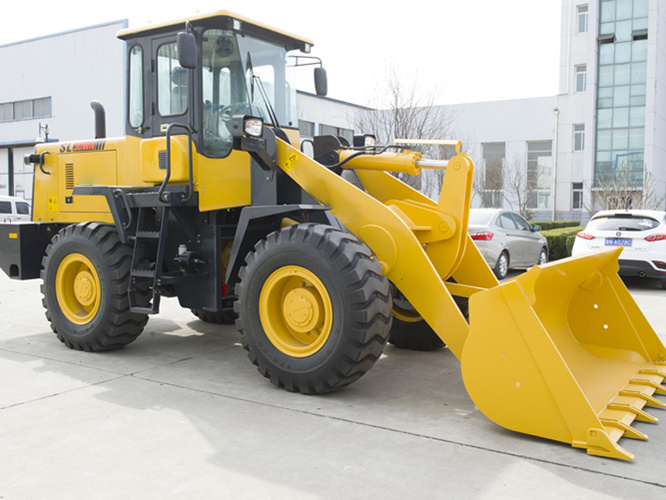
<point>408,433</point>
<point>74,389</point>
<point>105,370</point>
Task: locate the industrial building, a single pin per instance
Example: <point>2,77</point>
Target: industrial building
<point>608,121</point>
<point>546,155</point>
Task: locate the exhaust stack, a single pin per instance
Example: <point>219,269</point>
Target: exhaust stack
<point>100,119</point>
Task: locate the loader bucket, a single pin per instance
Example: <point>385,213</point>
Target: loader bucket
<point>563,352</point>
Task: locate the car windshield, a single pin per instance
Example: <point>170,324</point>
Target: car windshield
<point>622,222</point>
<point>479,218</point>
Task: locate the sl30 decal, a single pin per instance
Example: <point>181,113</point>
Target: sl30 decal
<point>74,147</point>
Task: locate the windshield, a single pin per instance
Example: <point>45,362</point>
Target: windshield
<point>623,222</point>
<point>243,75</point>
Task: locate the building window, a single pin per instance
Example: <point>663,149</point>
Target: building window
<point>581,77</point>
<point>337,132</point>
<point>306,128</point>
<point>579,137</point>
<point>41,108</point>
<point>539,173</point>
<point>582,18</point>
<point>621,92</point>
<point>22,110</point>
<point>25,110</point>
<point>6,112</point>
<point>577,195</point>
<point>492,199</point>
<point>493,174</point>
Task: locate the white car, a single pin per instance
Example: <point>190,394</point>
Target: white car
<point>14,209</point>
<point>641,233</point>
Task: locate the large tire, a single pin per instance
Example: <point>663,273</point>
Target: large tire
<point>85,278</point>
<point>313,307</point>
<point>409,330</point>
<point>225,317</point>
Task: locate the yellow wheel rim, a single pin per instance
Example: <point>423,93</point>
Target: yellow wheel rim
<point>405,315</point>
<point>295,311</point>
<point>403,310</point>
<point>78,289</point>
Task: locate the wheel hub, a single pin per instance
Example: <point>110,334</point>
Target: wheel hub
<point>84,288</point>
<point>78,289</point>
<point>295,311</point>
<point>302,310</point>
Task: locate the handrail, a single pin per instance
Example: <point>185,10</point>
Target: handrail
<point>163,186</point>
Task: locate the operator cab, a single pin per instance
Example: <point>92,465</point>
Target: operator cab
<point>240,68</point>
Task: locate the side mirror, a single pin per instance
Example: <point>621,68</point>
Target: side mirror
<point>321,82</point>
<point>187,50</point>
<point>536,228</point>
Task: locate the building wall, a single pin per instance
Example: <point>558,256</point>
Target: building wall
<point>655,126</point>
<point>72,69</point>
<point>575,107</point>
<point>326,113</point>
<point>515,123</point>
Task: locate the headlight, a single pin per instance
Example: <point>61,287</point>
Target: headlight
<point>253,127</point>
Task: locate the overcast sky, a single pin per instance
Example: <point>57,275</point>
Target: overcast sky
<point>471,50</point>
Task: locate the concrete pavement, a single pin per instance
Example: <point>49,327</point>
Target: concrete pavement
<point>182,413</point>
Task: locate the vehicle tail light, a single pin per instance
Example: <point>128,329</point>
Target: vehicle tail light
<point>585,236</point>
<point>661,265</point>
<point>482,236</point>
<point>656,237</point>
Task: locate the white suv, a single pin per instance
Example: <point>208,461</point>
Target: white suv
<point>641,233</point>
<point>14,209</point>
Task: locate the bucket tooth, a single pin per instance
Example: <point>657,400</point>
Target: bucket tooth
<point>650,380</point>
<point>660,372</point>
<point>627,430</point>
<point>639,414</point>
<point>644,393</point>
<point>603,443</point>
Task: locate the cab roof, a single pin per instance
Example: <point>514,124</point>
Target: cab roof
<point>222,19</point>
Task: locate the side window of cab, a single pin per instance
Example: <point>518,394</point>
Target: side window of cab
<point>135,101</point>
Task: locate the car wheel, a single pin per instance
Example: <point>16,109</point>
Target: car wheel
<point>502,266</point>
<point>543,257</point>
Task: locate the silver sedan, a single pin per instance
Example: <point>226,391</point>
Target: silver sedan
<point>506,240</point>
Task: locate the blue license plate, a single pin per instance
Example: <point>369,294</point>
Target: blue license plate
<point>618,242</point>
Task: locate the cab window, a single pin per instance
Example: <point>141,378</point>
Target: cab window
<point>171,82</point>
<point>135,87</point>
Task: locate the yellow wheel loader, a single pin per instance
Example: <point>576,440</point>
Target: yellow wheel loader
<point>320,259</point>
